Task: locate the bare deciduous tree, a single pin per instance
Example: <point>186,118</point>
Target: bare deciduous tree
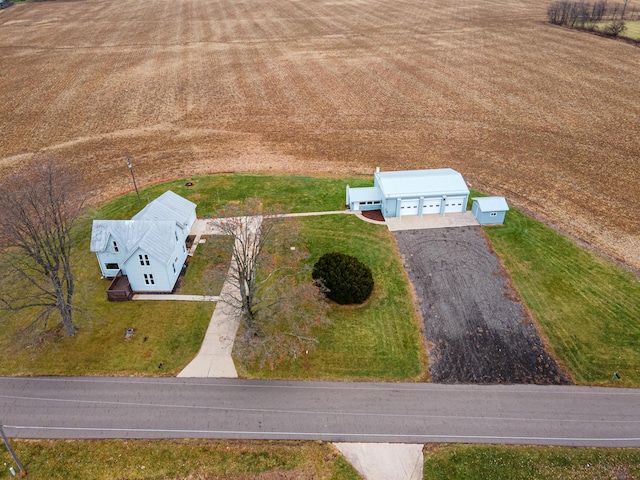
<point>37,212</point>
<point>271,288</point>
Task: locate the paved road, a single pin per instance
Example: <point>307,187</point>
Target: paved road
<point>88,407</point>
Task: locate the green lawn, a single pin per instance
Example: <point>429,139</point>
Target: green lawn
<point>175,459</point>
<point>588,308</point>
<point>207,267</point>
<point>377,340</point>
<point>167,332</point>
<point>483,462</point>
<point>210,193</point>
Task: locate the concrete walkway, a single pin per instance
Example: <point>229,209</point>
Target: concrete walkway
<point>214,358</point>
<point>170,296</point>
<point>385,461</point>
<point>373,461</point>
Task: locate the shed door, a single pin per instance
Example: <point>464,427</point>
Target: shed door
<point>409,207</point>
<point>431,206</point>
<point>453,204</point>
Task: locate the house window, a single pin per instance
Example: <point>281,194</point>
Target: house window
<point>184,249</point>
<point>148,279</point>
<point>494,214</point>
<point>111,266</point>
<point>144,260</point>
<point>176,236</point>
<point>115,246</point>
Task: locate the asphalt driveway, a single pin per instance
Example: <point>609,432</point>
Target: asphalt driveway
<point>476,328</point>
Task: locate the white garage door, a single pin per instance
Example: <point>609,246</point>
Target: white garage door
<point>431,206</point>
<point>453,204</point>
<point>409,207</point>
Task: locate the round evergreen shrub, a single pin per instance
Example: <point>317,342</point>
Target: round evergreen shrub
<point>346,279</point>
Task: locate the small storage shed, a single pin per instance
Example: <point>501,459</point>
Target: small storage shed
<point>489,210</point>
<point>412,192</point>
<point>150,248</point>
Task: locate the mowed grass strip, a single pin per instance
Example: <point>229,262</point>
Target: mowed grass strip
<point>177,459</point>
<point>207,267</point>
<point>210,193</point>
<point>587,306</point>
<point>481,462</point>
<point>377,340</point>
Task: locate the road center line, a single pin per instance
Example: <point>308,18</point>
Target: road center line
<point>311,412</point>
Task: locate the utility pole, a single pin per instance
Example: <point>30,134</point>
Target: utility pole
<point>23,472</point>
<point>133,177</point>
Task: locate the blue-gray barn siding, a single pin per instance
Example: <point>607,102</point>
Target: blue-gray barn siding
<point>485,218</point>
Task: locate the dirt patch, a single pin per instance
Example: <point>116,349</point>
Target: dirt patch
<point>478,330</point>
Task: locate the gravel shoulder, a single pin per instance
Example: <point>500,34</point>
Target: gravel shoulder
<point>477,330</point>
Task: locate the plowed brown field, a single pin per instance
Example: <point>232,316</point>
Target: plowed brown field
<point>546,116</point>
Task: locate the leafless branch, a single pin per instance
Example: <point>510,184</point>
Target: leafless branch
<point>38,211</point>
<point>268,278</point>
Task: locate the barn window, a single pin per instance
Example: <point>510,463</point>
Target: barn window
<point>148,279</point>
<point>144,260</point>
<point>111,266</point>
<point>115,246</point>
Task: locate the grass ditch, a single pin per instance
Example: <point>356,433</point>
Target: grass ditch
<point>479,462</point>
<point>178,459</point>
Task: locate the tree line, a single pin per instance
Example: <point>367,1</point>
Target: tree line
<point>585,15</point>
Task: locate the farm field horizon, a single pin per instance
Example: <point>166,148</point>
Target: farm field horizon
<point>546,116</point>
